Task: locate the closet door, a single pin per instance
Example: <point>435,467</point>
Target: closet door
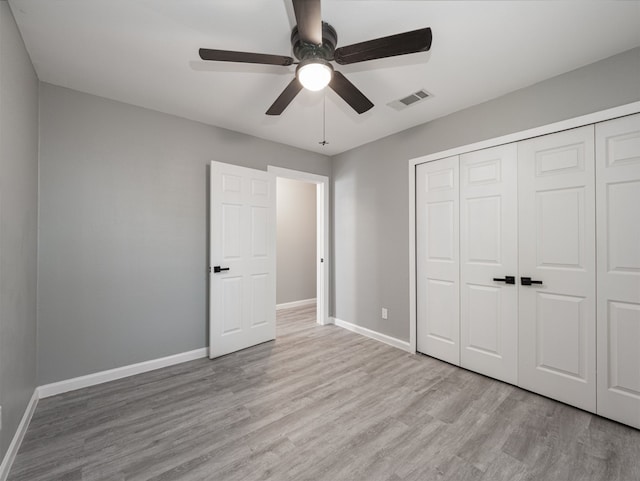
<point>437,256</point>
<point>618,219</point>
<point>489,262</point>
<point>557,266</point>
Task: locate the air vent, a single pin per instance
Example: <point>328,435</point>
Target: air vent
<point>409,100</point>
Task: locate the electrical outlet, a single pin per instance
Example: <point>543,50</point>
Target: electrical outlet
<point>385,313</point>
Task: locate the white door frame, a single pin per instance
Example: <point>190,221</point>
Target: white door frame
<point>322,232</point>
<point>581,121</point>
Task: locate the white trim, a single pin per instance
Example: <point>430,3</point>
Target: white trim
<point>581,121</point>
<point>322,241</point>
<point>391,341</point>
<point>300,303</point>
<point>296,174</point>
<point>322,249</point>
<point>101,377</point>
<point>10,455</point>
<point>412,261</point>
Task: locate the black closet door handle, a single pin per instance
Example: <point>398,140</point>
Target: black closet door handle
<point>527,281</point>
<point>506,280</point>
<point>219,269</point>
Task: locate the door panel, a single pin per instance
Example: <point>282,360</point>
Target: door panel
<point>624,355</point>
<point>557,246</point>
<point>483,221</point>
<point>443,295</point>
<point>259,299</point>
<point>624,228</point>
<point>484,320</point>
<point>560,334</point>
<point>259,232</point>
<point>440,243</point>
<point>231,218</point>
<point>232,304</point>
<point>488,250</point>
<point>242,298</point>
<point>560,228</point>
<point>437,252</point>
<point>618,191</point>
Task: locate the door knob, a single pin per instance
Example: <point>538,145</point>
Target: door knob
<point>527,281</point>
<point>506,280</point>
<point>219,269</point>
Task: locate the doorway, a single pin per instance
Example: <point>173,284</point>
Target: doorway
<point>321,239</point>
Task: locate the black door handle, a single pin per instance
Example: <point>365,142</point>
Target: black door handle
<point>527,281</point>
<point>506,280</point>
<point>219,269</point>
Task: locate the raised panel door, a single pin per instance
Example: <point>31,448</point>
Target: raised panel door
<point>242,236</point>
<point>437,258</point>
<point>618,227</point>
<point>489,251</point>
<point>556,217</point>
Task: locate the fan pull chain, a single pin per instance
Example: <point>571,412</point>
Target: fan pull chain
<point>324,119</point>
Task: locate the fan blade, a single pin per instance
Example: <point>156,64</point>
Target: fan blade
<point>309,19</point>
<point>350,93</point>
<point>244,57</point>
<point>285,98</point>
<point>400,44</point>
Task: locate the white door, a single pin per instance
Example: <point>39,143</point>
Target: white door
<point>489,262</point>
<point>437,257</point>
<point>618,219</point>
<point>242,298</point>
<point>556,219</point>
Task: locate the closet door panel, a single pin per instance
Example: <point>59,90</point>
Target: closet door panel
<point>556,220</point>
<point>618,227</point>
<point>437,257</point>
<point>488,251</point>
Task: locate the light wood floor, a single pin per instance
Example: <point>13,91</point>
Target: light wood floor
<point>320,403</point>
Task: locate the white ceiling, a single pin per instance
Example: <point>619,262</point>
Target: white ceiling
<point>145,52</point>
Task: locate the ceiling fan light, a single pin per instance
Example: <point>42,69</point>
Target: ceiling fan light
<point>314,75</point>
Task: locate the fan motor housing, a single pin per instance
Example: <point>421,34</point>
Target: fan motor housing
<point>304,51</point>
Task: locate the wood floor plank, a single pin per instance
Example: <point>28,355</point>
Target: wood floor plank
<point>319,403</point>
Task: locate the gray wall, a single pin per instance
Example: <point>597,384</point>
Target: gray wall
<point>123,229</point>
<point>18,225</point>
<point>370,183</point>
<point>296,234</point>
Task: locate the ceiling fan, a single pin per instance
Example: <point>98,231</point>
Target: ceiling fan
<point>314,45</point>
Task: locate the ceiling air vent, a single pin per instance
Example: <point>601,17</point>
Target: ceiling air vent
<point>409,100</point>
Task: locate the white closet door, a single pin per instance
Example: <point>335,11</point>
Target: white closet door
<point>557,247</point>
<point>618,219</point>
<point>437,256</point>
<point>489,252</point>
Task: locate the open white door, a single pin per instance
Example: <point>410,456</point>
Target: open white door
<point>242,254</point>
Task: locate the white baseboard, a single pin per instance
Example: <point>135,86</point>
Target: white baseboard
<point>392,341</point>
<point>10,455</point>
<point>303,302</point>
<point>60,387</point>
